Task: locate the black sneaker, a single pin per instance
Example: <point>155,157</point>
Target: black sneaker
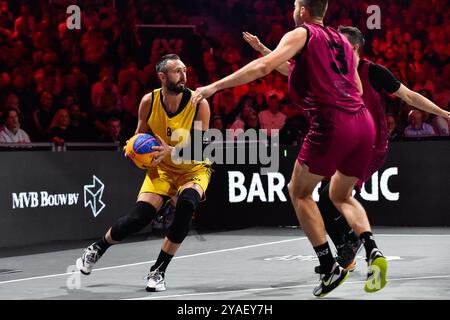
<point>347,254</point>
<point>330,281</point>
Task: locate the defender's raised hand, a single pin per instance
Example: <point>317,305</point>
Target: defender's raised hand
<point>203,93</point>
<point>253,41</point>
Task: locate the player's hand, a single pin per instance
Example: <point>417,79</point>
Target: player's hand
<point>446,115</point>
<point>162,151</point>
<point>253,41</point>
<point>203,93</point>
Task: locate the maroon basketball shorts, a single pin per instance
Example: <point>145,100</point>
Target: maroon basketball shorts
<point>377,160</point>
<point>339,140</point>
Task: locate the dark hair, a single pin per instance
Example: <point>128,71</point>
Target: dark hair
<point>355,36</point>
<point>316,8</point>
<point>5,114</point>
<point>161,66</point>
<point>113,119</point>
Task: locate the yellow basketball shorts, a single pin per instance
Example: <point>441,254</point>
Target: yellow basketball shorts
<point>166,182</point>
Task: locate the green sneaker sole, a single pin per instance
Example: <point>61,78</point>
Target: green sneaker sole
<point>379,268</point>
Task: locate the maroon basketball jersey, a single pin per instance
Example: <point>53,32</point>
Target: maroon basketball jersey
<point>374,101</point>
<point>323,75</point>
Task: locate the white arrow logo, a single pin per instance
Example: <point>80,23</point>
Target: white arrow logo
<point>93,196</point>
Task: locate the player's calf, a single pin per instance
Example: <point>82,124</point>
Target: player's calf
<point>187,202</point>
<point>139,217</point>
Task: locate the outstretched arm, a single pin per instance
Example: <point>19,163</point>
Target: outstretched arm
<point>291,43</point>
<point>420,102</point>
<point>382,78</point>
<point>258,46</point>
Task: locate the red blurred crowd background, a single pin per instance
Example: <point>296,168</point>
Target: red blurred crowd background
<point>85,85</point>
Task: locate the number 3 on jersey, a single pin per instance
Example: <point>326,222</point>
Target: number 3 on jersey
<point>340,56</point>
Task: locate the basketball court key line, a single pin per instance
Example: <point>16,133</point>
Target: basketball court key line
<point>152,261</point>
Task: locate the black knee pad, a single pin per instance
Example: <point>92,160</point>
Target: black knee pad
<point>188,197</point>
<point>142,214</point>
<point>187,203</point>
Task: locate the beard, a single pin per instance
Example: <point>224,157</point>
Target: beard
<point>175,88</point>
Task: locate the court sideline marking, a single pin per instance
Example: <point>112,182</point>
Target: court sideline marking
<point>275,288</point>
<point>206,253</point>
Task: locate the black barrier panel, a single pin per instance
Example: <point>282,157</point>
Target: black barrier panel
<point>412,189</point>
<point>423,184</point>
<point>48,196</point>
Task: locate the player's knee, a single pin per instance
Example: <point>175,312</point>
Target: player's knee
<point>189,199</point>
<point>337,198</point>
<point>290,190</point>
<point>141,215</point>
<point>294,192</point>
<point>297,193</point>
<point>187,203</point>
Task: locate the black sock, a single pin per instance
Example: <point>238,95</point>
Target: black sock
<point>326,259</point>
<point>162,262</point>
<point>339,247</point>
<point>369,242</point>
<point>102,245</point>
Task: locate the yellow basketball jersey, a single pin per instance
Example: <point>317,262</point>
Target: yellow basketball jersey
<point>173,128</point>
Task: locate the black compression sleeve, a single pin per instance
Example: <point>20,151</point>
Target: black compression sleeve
<point>381,78</point>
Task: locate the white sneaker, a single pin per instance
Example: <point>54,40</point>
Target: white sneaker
<point>88,259</point>
<point>155,281</point>
<point>330,281</point>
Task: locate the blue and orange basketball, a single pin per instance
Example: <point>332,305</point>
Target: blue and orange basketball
<point>139,149</point>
